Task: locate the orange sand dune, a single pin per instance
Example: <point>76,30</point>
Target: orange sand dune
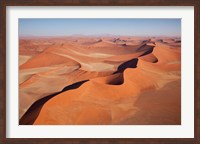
<point>47,59</point>
<point>102,81</point>
<point>149,58</point>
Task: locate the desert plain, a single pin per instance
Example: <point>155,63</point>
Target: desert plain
<point>93,80</point>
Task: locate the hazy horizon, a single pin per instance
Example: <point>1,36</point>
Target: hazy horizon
<point>54,27</point>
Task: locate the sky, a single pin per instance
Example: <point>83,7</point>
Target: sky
<point>99,26</point>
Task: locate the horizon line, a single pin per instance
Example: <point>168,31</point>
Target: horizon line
<point>97,35</point>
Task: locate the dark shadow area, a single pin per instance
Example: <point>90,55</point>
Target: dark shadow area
<point>73,86</point>
<point>155,61</point>
<point>150,50</point>
<point>149,58</point>
<point>144,47</point>
<point>117,80</point>
<point>160,40</point>
<point>32,113</point>
<point>177,41</point>
<point>123,44</point>
<point>129,64</point>
<point>146,41</point>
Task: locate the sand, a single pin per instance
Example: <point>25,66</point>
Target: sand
<point>104,80</point>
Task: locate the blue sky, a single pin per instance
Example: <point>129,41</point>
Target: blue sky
<point>99,26</point>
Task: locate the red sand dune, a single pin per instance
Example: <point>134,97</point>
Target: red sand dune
<point>107,80</point>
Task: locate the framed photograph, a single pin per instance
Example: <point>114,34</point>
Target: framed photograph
<point>99,71</point>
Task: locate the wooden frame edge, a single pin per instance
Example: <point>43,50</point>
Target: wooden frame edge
<point>3,5</point>
<point>3,72</point>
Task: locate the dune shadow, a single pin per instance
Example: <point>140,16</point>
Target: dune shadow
<point>129,64</point>
<point>117,81</point>
<point>148,51</point>
<point>32,113</point>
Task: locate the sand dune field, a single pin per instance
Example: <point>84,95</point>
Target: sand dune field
<point>109,80</point>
